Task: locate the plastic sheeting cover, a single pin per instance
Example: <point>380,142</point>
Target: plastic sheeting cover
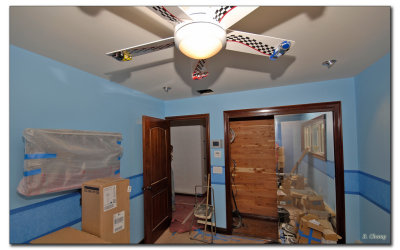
<point>59,160</point>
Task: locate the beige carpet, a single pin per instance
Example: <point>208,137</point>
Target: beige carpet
<point>184,238</point>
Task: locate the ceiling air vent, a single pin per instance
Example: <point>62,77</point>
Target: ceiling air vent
<point>205,91</point>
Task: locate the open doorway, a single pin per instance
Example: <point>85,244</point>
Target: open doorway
<point>190,166</point>
<point>307,168</point>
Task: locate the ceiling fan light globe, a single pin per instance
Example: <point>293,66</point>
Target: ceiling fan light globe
<point>199,39</point>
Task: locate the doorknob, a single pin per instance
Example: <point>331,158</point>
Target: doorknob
<point>146,188</point>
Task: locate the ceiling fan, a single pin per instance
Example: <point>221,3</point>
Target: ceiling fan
<point>201,32</point>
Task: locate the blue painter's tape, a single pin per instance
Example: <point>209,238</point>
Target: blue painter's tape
<point>309,237</point>
<point>119,142</point>
<point>39,156</point>
<point>117,171</point>
<point>33,172</point>
<point>119,157</point>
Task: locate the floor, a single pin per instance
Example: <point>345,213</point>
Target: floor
<point>179,231</point>
<point>196,237</point>
<point>182,217</point>
<point>258,228</point>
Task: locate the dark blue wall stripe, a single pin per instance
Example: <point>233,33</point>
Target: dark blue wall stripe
<point>42,203</point>
<point>29,222</point>
<point>136,182</point>
<point>387,210</point>
<point>351,181</point>
<point>135,195</point>
<point>56,229</point>
<point>375,177</point>
<point>372,188</point>
<point>325,167</point>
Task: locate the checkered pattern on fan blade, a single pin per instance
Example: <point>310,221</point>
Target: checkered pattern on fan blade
<point>200,70</point>
<point>166,14</point>
<point>142,51</point>
<point>252,43</point>
<point>221,12</point>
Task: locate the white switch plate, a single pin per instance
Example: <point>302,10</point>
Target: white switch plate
<point>217,170</point>
<point>217,154</point>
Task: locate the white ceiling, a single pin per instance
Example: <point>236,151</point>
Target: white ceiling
<point>80,37</point>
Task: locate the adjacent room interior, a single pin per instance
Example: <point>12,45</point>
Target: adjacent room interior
<point>129,126</point>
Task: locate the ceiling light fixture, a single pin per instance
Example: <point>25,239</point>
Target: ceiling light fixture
<point>329,63</point>
<point>200,39</point>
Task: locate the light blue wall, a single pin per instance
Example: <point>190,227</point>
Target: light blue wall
<point>372,94</point>
<point>47,94</point>
<point>334,90</point>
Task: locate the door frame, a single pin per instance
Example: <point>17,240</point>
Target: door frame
<point>335,108</point>
<point>204,117</point>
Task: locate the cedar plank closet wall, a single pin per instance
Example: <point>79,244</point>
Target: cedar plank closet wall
<point>254,179</point>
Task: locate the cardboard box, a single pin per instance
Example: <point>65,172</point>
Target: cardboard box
<point>286,183</point>
<point>310,230</point>
<point>316,231</point>
<point>69,235</point>
<point>330,236</point>
<point>105,209</point>
<point>322,215</point>
<point>308,235</point>
<point>298,181</point>
<point>284,198</point>
<point>285,201</point>
<point>315,203</point>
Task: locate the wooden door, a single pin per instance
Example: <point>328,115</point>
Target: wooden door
<point>254,174</point>
<point>156,177</point>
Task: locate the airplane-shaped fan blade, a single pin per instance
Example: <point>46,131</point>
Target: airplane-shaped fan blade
<point>229,15</point>
<point>128,53</point>
<point>199,70</point>
<point>257,44</point>
<point>172,14</point>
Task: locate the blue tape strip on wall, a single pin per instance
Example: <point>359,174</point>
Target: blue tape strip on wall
<point>39,156</point>
<point>32,172</point>
<point>117,171</point>
<point>119,142</point>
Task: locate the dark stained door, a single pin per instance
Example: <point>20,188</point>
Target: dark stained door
<point>156,177</point>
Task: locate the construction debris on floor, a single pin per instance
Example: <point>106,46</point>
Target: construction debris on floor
<point>304,216</point>
<point>183,215</point>
<point>196,237</point>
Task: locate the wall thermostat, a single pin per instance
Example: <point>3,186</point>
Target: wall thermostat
<point>216,143</point>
